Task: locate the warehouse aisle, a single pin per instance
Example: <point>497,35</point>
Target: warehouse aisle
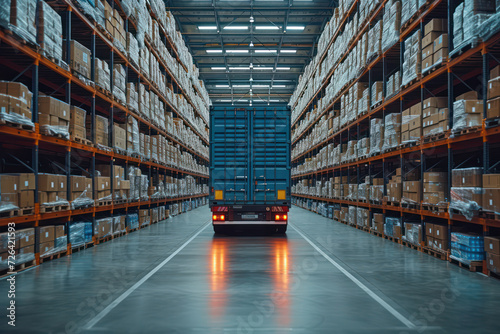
<point>322,277</point>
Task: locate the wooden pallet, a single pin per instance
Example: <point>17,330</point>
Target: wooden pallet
<point>18,126</point>
<point>82,247</point>
<point>377,233</point>
<point>489,215</point>
<point>468,130</point>
<point>392,203</point>
<point>130,230</point>
<point>412,246</point>
<point>81,207</point>
<point>376,105</point>
<point>410,144</point>
<point>103,91</point>
<point>376,202</point>
<point>411,206</point>
<point>436,137</point>
<point>120,201</point>
<point>105,239</point>
<point>413,81</point>
<point>492,122</point>
<point>47,132</point>
<point>82,141</point>
<point>18,268</point>
<point>438,254</point>
<point>103,202</point>
<point>53,256</point>
<point>435,208</point>
<point>388,237</point>
<point>493,274</point>
<point>53,208</point>
<point>16,212</point>
<point>474,266</point>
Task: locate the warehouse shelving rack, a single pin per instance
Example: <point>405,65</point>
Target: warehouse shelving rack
<point>21,61</point>
<point>453,76</point>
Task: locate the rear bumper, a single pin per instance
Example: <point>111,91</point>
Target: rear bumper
<point>250,222</point>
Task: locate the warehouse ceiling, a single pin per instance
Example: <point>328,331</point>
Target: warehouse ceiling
<point>251,50</point>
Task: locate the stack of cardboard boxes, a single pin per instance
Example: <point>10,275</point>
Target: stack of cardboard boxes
<point>23,18</point>
<point>81,188</point>
<point>393,85</point>
<point>115,25</point>
<point>144,218</point>
<point>413,233</point>
<point>411,124</point>
<point>436,236</point>
<point>411,192</point>
<point>467,111</point>
<point>17,191</point>
<point>52,240</point>
<point>491,193</point>
<point>119,137</point>
<point>102,74</point>
<point>119,224</point>
<point>394,187</point>
<point>103,227</point>
<point>493,105</point>
<point>50,31</point>
<point>77,123</point>
<point>492,248</point>
<point>377,190</point>
<point>24,247</point>
<point>53,116</point>
<point>392,131</point>
<point>467,189</point>
<point>378,222</point>
<point>377,93</point>
<point>132,97</point>
<point>101,130</point>
<point>376,135</point>
<point>52,189</point>
<point>392,24</point>
<point>392,227</point>
<point>412,66</point>
<point>80,60</point>
<point>435,116</point>
<point>435,187</point>
<point>120,82</point>
<point>434,43</point>
<point>15,99</point>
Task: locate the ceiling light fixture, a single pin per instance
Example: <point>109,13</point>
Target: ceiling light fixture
<point>252,20</point>
<point>295,27</point>
<point>207,27</point>
<point>213,51</point>
<point>218,68</point>
<point>236,51</point>
<point>236,28</point>
<point>267,28</point>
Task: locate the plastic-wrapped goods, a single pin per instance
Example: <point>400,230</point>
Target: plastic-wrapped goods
<point>476,12</point>
<point>50,31</point>
<point>458,25</point>
<point>377,190</point>
<point>413,233</point>
<point>23,255</point>
<point>54,116</point>
<point>363,147</point>
<point>81,189</point>
<point>80,233</point>
<point>353,215</point>
<point>132,221</point>
<point>15,103</point>
<point>376,135</point>
<point>467,113</point>
<point>374,41</point>
<point>392,227</point>
<point>491,193</point>
<point>466,191</point>
<point>103,227</point>
<point>392,24</point>
<point>362,217</point>
<point>392,133</point>
<point>102,74</point>
<point>412,66</point>
<point>377,93</point>
<point>22,18</point>
<point>119,224</point>
<point>5,14</point>
<point>133,137</point>
<point>133,49</point>
<point>120,82</point>
<point>467,247</point>
<point>409,9</point>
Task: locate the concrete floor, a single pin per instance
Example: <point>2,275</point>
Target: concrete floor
<point>346,281</point>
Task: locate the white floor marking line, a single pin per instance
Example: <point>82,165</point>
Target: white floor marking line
<point>363,287</point>
<point>134,287</point>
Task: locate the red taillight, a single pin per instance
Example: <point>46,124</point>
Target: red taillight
<point>214,217</point>
<point>285,217</point>
<point>222,217</point>
<point>219,218</point>
<point>277,217</point>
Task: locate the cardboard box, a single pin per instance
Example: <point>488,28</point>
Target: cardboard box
<point>428,62</point>
<point>429,38</point>
<point>50,106</point>
<point>441,43</point>
<point>46,234</point>
<point>491,199</point>
<point>19,91</point>
<point>440,177</point>
<point>102,183</point>
<point>77,183</point>
<point>493,262</point>
<point>429,230</point>
<point>495,72</point>
<point>440,244</point>
<point>436,25</point>
<point>470,177</point>
<point>25,237</point>
<point>440,232</point>
<point>9,184</point>
<point>62,182</point>
<point>440,55</point>
<point>78,131</point>
<point>27,199</point>
<point>77,116</point>
<point>46,248</point>
<point>59,231</point>
<point>493,88</point>
<point>79,58</point>
<point>472,95</point>
<point>492,245</point>
<point>493,108</point>
<point>428,51</point>
<point>491,180</point>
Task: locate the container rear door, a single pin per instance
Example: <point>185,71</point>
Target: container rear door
<point>270,144</point>
<point>230,154</point>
